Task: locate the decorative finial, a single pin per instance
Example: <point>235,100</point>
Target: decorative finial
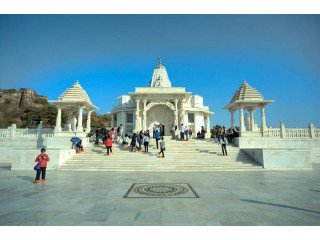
<point>159,61</point>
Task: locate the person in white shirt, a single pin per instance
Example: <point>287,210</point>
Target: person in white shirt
<point>186,132</point>
<point>162,147</point>
<point>181,132</point>
<point>223,142</point>
<point>146,140</point>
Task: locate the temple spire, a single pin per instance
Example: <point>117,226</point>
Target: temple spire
<point>160,76</point>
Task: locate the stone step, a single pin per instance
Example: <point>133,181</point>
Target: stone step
<point>180,156</point>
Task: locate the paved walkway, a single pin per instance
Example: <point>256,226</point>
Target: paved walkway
<point>268,198</point>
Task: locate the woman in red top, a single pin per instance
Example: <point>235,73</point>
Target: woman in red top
<point>43,158</point>
<point>108,144</point>
<point>111,134</point>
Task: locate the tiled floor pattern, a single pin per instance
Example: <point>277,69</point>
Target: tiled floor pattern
<point>266,198</point>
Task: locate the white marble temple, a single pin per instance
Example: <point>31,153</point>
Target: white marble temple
<point>160,103</point>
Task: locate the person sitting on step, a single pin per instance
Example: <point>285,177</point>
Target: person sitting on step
<point>125,140</point>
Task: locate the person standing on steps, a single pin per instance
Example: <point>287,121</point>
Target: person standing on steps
<point>223,142</point>
<point>108,144</point>
<point>133,143</point>
<point>162,147</point>
<point>43,159</point>
<point>173,131</point>
<point>119,133</point>
<point>140,140</point>
<point>181,132</point>
<point>146,140</point>
<point>157,137</point>
<point>186,132</point>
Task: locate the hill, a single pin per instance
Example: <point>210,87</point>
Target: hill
<point>26,109</point>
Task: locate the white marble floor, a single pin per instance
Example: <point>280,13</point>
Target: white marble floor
<point>265,198</point>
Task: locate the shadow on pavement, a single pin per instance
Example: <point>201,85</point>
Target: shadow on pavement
<point>277,205</point>
<point>26,178</point>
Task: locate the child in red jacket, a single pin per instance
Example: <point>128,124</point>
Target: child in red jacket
<point>108,144</point>
<point>43,158</point>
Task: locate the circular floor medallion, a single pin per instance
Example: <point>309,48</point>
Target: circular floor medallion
<point>161,190</point>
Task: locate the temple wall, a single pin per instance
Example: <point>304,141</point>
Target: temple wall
<point>24,159</point>
<point>198,121</point>
<point>282,153</point>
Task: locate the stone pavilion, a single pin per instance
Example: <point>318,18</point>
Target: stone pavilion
<point>248,98</point>
<point>74,101</point>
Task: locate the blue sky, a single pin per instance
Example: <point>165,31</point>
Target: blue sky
<point>210,55</point>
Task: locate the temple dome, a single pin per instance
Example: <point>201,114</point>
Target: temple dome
<point>246,93</point>
<point>160,77</point>
<point>75,93</point>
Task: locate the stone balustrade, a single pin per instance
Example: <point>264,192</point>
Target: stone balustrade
<point>5,133</point>
<point>317,133</point>
<point>297,133</point>
<point>26,133</point>
<point>31,133</point>
<point>283,132</point>
<point>274,132</point>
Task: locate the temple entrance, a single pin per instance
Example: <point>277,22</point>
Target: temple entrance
<point>160,114</point>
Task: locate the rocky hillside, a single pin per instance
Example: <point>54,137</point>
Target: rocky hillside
<point>26,109</point>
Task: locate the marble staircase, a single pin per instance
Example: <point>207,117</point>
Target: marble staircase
<point>193,155</point>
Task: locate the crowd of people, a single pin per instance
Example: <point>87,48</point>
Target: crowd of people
<point>139,142</point>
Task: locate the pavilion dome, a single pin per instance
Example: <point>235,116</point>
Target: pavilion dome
<point>75,93</point>
<point>246,93</point>
<point>160,77</point>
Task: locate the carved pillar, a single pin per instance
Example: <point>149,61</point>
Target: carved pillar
<point>251,110</point>
<point>58,121</point>
<point>311,130</point>
<point>74,124</point>
<point>79,127</point>
<point>242,127</point>
<point>144,112</point>
<point>138,120</point>
<point>263,120</point>
<point>176,112</point>
<point>282,130</point>
<point>13,129</point>
<point>207,122</point>
<point>232,118</point>
<point>39,131</point>
<point>88,129</point>
<point>181,111</point>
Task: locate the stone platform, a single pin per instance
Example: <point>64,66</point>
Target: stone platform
<point>74,198</point>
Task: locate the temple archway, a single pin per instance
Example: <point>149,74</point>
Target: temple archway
<point>161,114</point>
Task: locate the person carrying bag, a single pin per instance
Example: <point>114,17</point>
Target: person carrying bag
<point>41,166</point>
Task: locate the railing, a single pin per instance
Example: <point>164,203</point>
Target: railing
<point>29,133</point>
<point>47,132</point>
<point>317,133</point>
<point>282,132</point>
<point>274,132</point>
<point>297,133</point>
<point>4,133</point>
<point>26,133</point>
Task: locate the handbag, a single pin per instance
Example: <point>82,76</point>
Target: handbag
<point>37,167</point>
